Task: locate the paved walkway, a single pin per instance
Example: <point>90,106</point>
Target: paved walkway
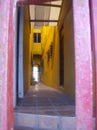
<point>44,100</point>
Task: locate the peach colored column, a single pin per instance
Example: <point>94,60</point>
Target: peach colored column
<point>6,65</point>
<point>83,65</point>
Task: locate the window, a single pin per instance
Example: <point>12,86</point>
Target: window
<point>37,37</point>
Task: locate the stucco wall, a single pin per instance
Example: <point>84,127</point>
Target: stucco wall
<point>69,68</point>
<point>49,37</point>
<point>55,60</point>
<point>47,60</point>
<point>36,46</point>
<point>6,66</point>
<point>51,63</point>
<point>66,32</point>
<point>26,50</point>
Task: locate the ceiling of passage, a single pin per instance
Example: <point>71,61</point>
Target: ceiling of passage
<point>45,14</point>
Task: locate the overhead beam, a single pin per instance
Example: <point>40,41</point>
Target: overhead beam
<point>29,2</point>
<point>33,20</point>
<point>49,5</point>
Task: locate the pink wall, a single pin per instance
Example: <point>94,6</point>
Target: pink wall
<point>10,117</point>
<point>84,101</point>
<point>6,66</point>
<point>94,31</point>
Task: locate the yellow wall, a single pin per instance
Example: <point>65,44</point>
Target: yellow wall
<point>51,68</point>
<point>27,50</point>
<point>66,29</point>
<point>55,60</point>
<point>49,36</point>
<point>31,41</point>
<point>37,46</point>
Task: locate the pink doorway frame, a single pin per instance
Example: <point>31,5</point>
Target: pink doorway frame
<point>83,69</point>
<point>94,42</point>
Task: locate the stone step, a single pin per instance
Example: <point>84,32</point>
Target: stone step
<point>24,121</point>
<point>44,122</point>
<point>22,128</point>
<point>27,128</point>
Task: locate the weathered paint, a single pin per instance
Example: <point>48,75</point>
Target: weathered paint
<point>6,70</point>
<point>10,117</point>
<point>94,34</point>
<point>84,102</point>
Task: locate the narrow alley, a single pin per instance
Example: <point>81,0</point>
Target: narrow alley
<point>45,100</point>
<point>44,90</point>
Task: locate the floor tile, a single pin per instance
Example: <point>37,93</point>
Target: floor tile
<point>42,99</point>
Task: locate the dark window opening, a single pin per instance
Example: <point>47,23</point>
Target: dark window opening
<point>62,62</point>
<point>37,37</point>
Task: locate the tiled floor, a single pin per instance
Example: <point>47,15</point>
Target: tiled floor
<point>44,100</point>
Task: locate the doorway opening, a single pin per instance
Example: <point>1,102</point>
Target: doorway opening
<point>61,62</point>
<point>45,76</point>
<point>35,73</point>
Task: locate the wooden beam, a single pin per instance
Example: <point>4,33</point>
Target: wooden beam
<point>37,20</point>
<point>29,2</point>
<point>49,5</point>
